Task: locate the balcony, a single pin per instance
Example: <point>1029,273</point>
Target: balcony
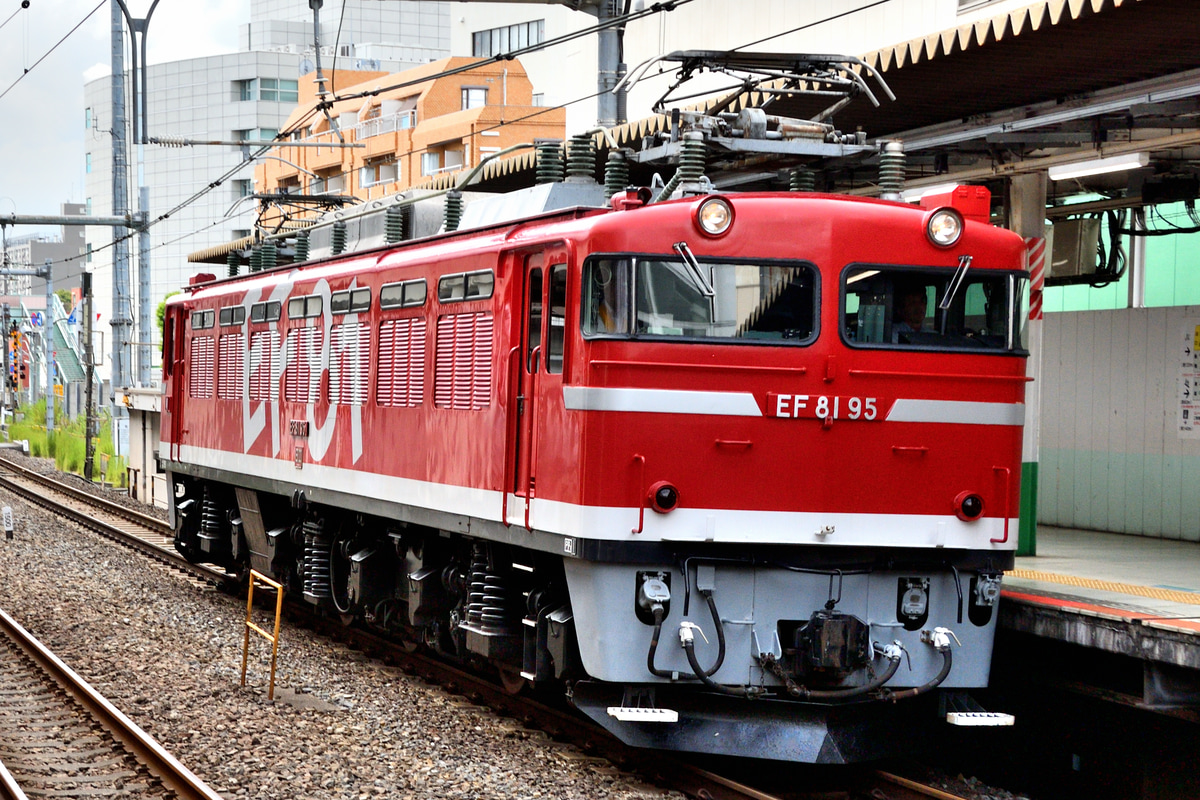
<point>389,124</point>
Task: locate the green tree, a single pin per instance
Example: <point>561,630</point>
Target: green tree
<point>65,297</point>
<point>160,316</point>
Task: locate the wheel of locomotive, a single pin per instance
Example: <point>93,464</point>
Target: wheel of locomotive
<point>339,579</point>
<point>510,680</point>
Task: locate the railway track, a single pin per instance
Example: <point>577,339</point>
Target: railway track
<point>149,535</point>
<point>59,737</point>
<point>153,538</point>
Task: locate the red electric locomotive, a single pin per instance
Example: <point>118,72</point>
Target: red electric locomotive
<point>740,470</point>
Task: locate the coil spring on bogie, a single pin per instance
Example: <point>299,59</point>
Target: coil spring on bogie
<point>581,158</point>
<point>210,518</point>
<point>488,602</point>
<point>394,221</point>
<point>317,549</point>
<point>616,174</point>
<point>891,170</point>
<point>300,254</point>
<point>802,179</point>
<point>454,210</point>
<point>549,161</point>
<point>234,262</point>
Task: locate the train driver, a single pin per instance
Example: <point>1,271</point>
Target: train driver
<point>604,314</point>
<point>908,316</point>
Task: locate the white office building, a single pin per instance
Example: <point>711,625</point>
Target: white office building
<point>245,95</point>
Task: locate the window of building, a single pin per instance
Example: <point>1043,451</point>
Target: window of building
<point>495,41</point>
<point>430,163</point>
<point>89,254</point>
<point>328,184</point>
<point>87,118</point>
<point>88,204</point>
<point>271,90</point>
<point>473,97</point>
<point>254,135</point>
<point>243,188</point>
<point>278,90</point>
<point>87,163</point>
<point>387,171</point>
<point>539,99</point>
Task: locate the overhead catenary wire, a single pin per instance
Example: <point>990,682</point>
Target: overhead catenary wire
<point>298,125</point>
<point>52,49</point>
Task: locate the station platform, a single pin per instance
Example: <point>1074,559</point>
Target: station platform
<point>1130,596</point>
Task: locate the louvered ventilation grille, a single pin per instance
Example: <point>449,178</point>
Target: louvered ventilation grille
<point>349,358</point>
<point>401,381</point>
<point>201,383</point>
<point>264,365</point>
<point>463,368</point>
<point>301,378</point>
<point>232,366</point>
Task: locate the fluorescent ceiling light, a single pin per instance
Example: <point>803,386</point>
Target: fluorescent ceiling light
<point>915,195</point>
<point>1098,166</point>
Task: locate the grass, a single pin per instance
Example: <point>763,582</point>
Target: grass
<point>66,444</point>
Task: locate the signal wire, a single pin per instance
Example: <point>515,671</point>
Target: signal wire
<point>52,49</point>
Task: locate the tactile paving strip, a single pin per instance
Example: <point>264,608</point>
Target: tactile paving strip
<point>1172,595</point>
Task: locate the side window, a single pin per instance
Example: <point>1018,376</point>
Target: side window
<point>534,321</point>
<point>556,333</point>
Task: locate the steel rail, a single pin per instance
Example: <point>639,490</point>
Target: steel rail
<point>88,520</point>
<point>174,775</point>
<point>116,509</point>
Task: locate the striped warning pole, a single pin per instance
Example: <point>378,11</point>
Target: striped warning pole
<point>1035,255</point>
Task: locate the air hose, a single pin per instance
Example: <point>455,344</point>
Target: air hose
<point>701,674</point>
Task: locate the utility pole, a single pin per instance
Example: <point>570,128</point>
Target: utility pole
<point>122,307</point>
<point>47,350</point>
<point>90,363</point>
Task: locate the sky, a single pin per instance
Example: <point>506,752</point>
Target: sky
<point>42,138</point>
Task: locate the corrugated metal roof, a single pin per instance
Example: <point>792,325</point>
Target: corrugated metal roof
<point>1049,50</point>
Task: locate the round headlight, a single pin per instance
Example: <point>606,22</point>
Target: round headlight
<point>968,506</point>
<point>663,497</point>
<point>944,227</point>
<point>714,216</point>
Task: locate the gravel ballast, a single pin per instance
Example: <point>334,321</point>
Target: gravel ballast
<point>342,726</point>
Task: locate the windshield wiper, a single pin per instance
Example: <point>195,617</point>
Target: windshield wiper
<point>964,264</point>
<point>689,260</point>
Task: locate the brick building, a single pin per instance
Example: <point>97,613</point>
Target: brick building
<point>415,125</point>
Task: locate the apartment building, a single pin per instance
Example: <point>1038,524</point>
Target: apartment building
<point>414,125</point>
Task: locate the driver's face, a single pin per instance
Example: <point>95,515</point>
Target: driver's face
<point>912,308</point>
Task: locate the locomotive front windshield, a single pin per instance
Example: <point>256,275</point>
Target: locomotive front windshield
<point>654,296</point>
<point>939,309</point>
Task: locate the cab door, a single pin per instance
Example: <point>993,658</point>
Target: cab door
<point>174,336</point>
<point>539,366</point>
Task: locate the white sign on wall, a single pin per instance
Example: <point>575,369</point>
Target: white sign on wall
<point>1189,381</point>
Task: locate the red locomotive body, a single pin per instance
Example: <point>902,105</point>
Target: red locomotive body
<point>537,443</point>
